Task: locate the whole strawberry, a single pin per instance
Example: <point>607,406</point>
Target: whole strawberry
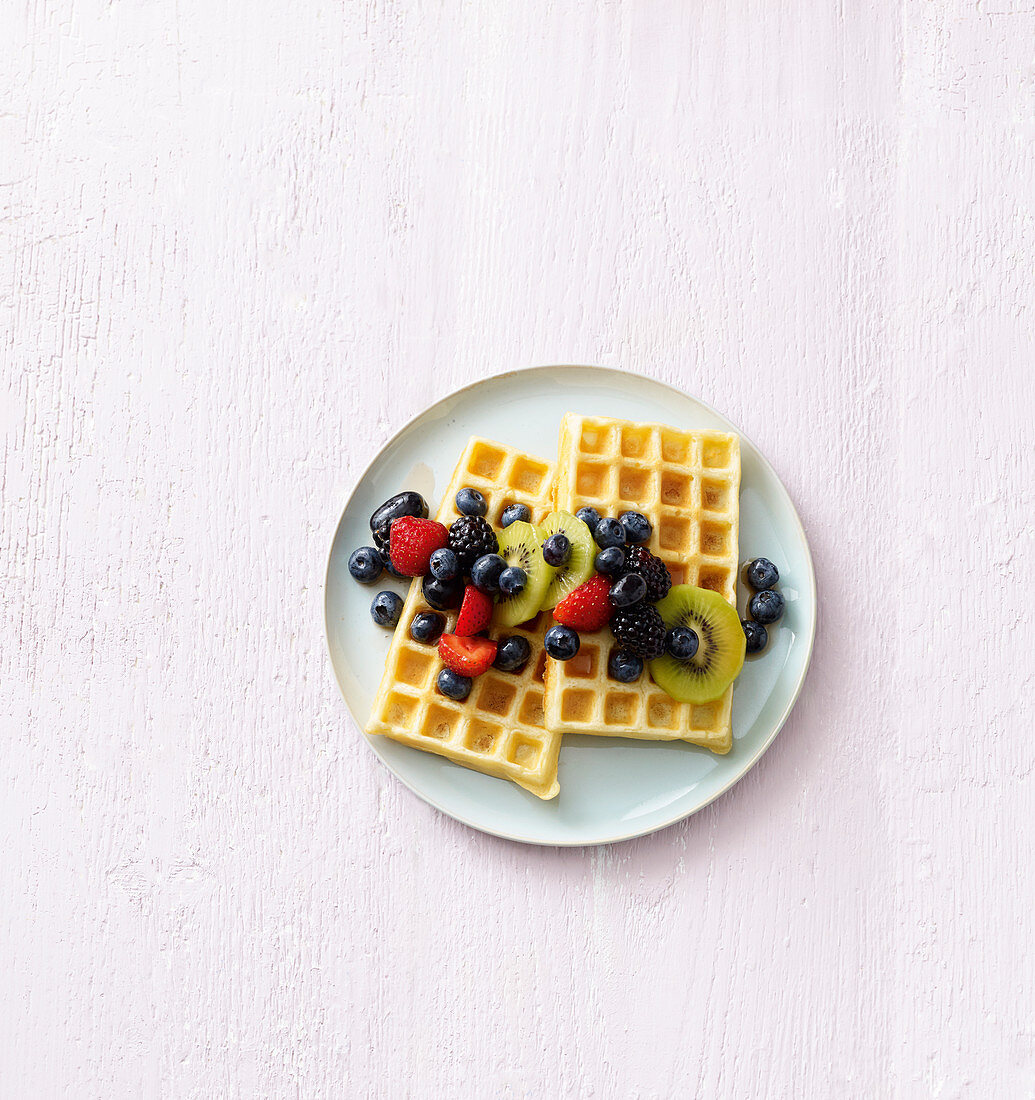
<point>587,607</point>
<point>412,541</point>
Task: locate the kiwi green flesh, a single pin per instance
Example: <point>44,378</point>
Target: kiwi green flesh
<point>520,545</point>
<point>579,567</point>
<point>720,655</point>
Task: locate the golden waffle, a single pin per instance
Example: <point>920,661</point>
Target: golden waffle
<point>498,729</point>
<point>687,484</point>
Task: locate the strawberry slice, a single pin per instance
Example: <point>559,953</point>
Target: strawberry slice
<point>468,656</point>
<point>475,613</point>
<point>412,541</point>
<point>587,607</point>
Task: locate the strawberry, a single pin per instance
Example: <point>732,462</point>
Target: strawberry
<point>475,613</point>
<point>468,656</point>
<point>412,541</point>
<point>587,608</point>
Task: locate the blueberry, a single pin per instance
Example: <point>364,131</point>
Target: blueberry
<point>365,564</point>
<point>624,666</point>
<point>561,643</point>
<point>442,595</point>
<point>427,627</point>
<point>444,566</point>
<point>766,607</point>
<point>637,527</point>
<point>386,561</point>
<point>557,549</point>
<point>485,573</point>
<point>386,608</point>
<point>610,562</point>
<point>514,512</point>
<point>609,532</point>
<point>682,642</point>
<point>402,504</point>
<point>627,590</point>
<point>469,502</point>
<point>756,634</point>
<point>512,653</point>
<point>513,580</point>
<point>453,685</point>
<point>590,517</point>
<point>761,574</point>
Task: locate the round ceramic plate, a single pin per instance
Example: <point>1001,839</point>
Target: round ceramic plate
<point>611,788</point>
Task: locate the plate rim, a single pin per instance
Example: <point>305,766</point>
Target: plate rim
<point>615,372</point>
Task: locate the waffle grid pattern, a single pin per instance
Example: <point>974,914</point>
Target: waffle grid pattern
<point>687,484</point>
<point>499,729</point>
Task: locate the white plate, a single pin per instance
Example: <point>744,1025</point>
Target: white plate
<point>611,789</point>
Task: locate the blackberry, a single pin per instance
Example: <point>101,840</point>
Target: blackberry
<point>471,538</point>
<point>639,630</point>
<point>639,560</point>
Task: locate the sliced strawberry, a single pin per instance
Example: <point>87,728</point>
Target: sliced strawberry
<point>475,613</point>
<point>412,541</point>
<point>587,608</point>
<point>468,656</point>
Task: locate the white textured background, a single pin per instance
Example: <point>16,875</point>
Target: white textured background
<point>240,242</point>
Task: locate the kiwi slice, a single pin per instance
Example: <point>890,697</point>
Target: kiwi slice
<point>520,545</point>
<point>719,657</point>
<point>580,565</point>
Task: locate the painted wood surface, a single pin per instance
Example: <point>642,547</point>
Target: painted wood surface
<point>240,244</point>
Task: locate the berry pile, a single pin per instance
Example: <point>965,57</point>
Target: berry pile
<point>766,605</point>
<point>593,570</point>
<point>628,580</point>
<point>460,568</point>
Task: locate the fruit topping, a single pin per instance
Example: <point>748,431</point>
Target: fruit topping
<point>519,546</point>
<point>514,512</point>
<point>579,566</point>
<point>765,607</point>
<point>453,685</point>
<point>639,560</point>
<point>756,635</point>
<point>610,562</point>
<point>587,608</point>
<point>412,542</point>
<point>427,626</point>
<point>624,666</point>
<point>682,643</point>
<point>557,549</point>
<point>513,580</point>
<point>469,502</point>
<point>402,504</point>
<point>475,613</point>
<point>386,608</point>
<point>609,532</point>
<point>628,590</point>
<point>590,517</point>
<point>720,654</point>
<point>561,643</point>
<point>442,595</point>
<point>485,573</point>
<point>512,653</point>
<point>365,564</point>
<point>637,527</point>
<point>468,656</point>
<point>470,537</point>
<point>761,574</point>
<point>443,564</point>
<point>640,630</point>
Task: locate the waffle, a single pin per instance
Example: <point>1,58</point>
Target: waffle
<point>687,484</point>
<point>498,729</point>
